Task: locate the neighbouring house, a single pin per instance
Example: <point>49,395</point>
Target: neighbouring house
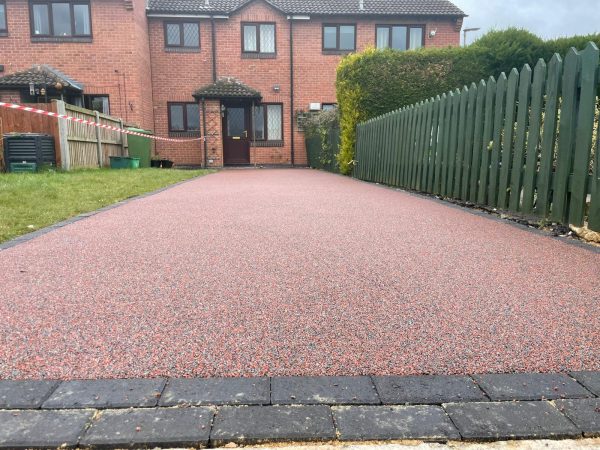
<point>240,72</point>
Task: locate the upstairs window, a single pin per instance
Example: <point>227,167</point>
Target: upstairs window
<point>258,38</point>
<point>400,37</point>
<point>184,117</point>
<point>268,122</point>
<point>182,34</point>
<point>3,20</point>
<point>339,37</point>
<point>60,19</point>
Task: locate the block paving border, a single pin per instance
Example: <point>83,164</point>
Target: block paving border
<point>213,412</point>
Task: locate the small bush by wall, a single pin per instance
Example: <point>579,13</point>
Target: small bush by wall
<point>321,131</point>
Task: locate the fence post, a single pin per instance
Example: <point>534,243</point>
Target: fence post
<point>63,136</point>
<point>123,139</point>
<point>99,141</point>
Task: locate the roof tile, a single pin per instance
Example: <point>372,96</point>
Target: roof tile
<point>315,7</point>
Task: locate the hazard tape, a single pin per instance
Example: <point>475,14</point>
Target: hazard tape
<point>92,123</point>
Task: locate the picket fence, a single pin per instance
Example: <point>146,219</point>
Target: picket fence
<point>527,143</point>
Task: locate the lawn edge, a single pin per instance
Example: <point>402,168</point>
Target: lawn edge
<point>42,231</point>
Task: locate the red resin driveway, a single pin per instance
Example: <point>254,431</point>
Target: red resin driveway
<point>294,272</point>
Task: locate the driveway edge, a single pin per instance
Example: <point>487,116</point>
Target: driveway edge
<point>42,231</point>
<point>219,411</point>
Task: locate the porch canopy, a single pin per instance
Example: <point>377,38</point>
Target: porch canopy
<point>42,76</point>
<point>227,88</point>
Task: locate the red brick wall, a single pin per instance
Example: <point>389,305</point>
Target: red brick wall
<point>314,72</point>
<point>318,86</point>
<point>116,62</point>
<point>127,61</point>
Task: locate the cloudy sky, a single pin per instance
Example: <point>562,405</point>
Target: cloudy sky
<point>546,18</point>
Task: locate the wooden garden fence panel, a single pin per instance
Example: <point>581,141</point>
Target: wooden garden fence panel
<point>526,143</point>
<point>93,146</point>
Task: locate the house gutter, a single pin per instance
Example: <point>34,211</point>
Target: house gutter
<point>292,87</point>
<point>214,49</point>
<point>292,107</point>
<point>205,139</point>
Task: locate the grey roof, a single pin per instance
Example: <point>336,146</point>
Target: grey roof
<point>39,74</point>
<point>227,88</point>
<point>315,7</point>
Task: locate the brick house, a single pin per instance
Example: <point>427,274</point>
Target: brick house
<point>236,71</point>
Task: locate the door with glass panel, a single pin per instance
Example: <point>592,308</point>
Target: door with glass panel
<point>236,134</point>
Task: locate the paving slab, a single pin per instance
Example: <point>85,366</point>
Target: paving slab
<point>428,389</point>
<point>323,390</point>
<point>42,429</point>
<point>590,379</point>
<point>510,420</point>
<point>530,386</point>
<point>24,394</point>
<point>423,422</point>
<point>216,391</point>
<point>106,394</point>
<point>155,427</point>
<point>585,413</point>
<point>256,424</point>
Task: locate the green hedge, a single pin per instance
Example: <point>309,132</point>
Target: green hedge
<point>375,82</point>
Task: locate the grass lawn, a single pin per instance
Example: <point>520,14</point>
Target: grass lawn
<point>29,202</point>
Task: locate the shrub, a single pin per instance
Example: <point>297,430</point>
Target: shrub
<point>510,48</point>
<point>375,82</point>
<point>320,123</point>
<point>562,45</point>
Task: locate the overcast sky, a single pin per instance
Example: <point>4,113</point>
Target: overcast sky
<point>546,18</point>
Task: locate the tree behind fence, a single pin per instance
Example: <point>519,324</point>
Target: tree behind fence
<point>525,143</point>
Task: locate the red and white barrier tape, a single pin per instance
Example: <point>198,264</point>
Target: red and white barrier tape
<point>91,123</point>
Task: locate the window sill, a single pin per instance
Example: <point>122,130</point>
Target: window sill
<point>182,49</point>
<point>3,33</point>
<point>266,144</point>
<point>73,40</point>
<point>184,134</point>
<point>259,55</point>
<point>338,52</point>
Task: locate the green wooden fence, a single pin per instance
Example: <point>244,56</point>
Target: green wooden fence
<point>322,153</point>
<point>525,143</point>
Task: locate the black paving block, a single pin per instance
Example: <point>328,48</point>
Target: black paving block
<point>257,424</point>
<point>530,386</point>
<point>585,413</point>
<point>510,420</point>
<point>216,391</point>
<point>154,427</point>
<point>106,394</point>
<point>423,422</point>
<point>428,389</point>
<point>323,390</point>
<point>42,429</point>
<point>590,379</point>
<point>24,394</point>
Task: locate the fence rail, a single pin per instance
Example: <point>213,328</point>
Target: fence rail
<point>526,143</point>
<point>90,146</point>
